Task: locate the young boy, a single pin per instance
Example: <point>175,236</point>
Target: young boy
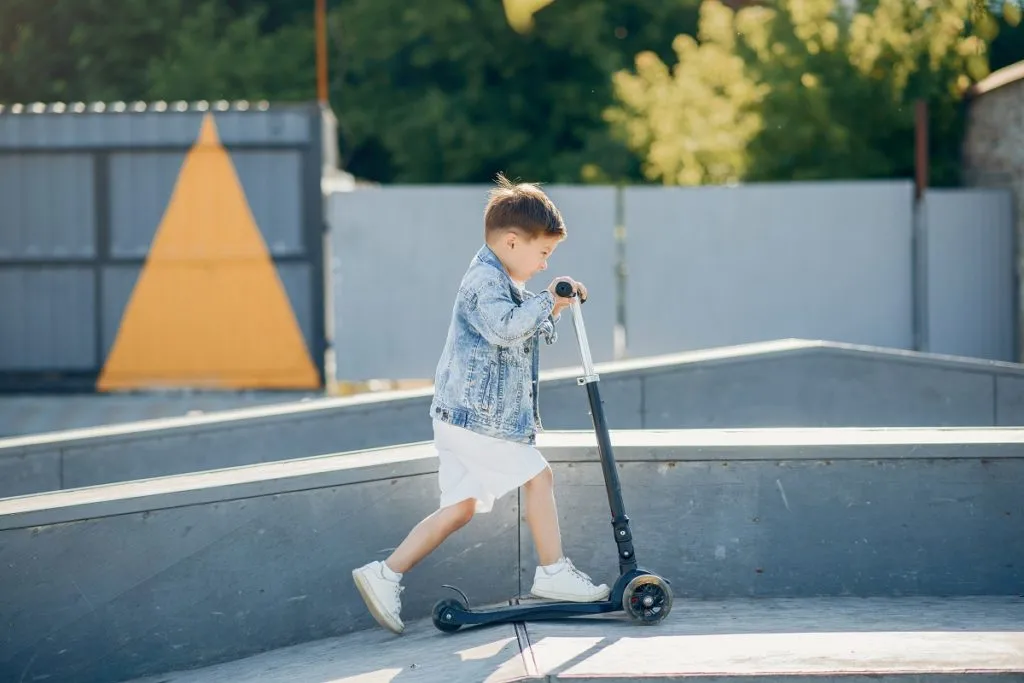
<point>484,409</point>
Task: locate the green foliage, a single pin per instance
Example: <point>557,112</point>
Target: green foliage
<point>214,55</point>
<point>81,50</point>
<point>805,90</point>
<point>450,92</point>
<point>106,50</point>
<point>692,124</point>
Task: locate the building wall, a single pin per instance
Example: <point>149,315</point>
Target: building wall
<point>993,153</point>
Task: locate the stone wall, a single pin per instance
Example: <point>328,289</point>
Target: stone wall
<point>993,150</point>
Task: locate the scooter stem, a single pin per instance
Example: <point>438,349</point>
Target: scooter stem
<point>589,374</point>
<point>620,522</point>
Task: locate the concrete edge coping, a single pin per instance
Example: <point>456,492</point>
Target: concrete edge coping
<point>571,446</point>
<point>613,370</point>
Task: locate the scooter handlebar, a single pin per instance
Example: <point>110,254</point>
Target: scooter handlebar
<point>564,289</point>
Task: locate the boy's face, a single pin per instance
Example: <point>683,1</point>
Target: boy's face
<point>524,257</point>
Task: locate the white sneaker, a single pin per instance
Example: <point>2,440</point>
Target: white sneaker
<point>381,594</point>
<point>567,583</point>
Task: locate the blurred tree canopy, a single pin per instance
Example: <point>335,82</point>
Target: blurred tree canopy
<point>450,91</point>
<point>673,91</point>
<point>808,89</point>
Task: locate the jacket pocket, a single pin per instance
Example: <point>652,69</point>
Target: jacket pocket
<point>485,398</point>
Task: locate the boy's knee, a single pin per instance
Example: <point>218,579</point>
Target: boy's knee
<point>544,479</point>
<point>463,512</point>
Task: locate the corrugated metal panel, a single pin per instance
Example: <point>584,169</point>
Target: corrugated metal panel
<point>297,282</point>
<point>48,318</point>
<point>119,281</point>
<point>141,184</point>
<point>150,125</point>
<point>47,208</point>
<point>273,185</point>
<point>970,275</point>
<point>92,182</point>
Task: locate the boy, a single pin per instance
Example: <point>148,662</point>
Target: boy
<point>484,409</point>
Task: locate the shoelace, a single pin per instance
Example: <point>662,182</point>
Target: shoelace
<point>572,568</point>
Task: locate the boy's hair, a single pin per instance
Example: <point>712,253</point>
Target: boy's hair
<point>523,208</point>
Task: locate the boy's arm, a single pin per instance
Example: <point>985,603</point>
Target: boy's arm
<point>547,327</point>
<point>501,320</point>
<point>548,331</point>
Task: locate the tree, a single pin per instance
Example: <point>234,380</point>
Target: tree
<point>70,50</point>
<point>804,90</point>
<point>692,124</point>
<point>217,54</point>
<point>450,92</point>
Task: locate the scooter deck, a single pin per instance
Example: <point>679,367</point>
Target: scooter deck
<point>529,608</point>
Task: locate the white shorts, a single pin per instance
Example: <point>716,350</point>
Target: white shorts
<point>473,465</point>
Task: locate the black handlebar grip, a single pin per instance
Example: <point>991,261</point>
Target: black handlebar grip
<point>564,289</point>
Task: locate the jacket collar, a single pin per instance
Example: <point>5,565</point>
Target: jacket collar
<point>487,256</point>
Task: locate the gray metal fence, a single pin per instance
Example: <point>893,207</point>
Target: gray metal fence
<point>970,294</point>
<point>732,265</point>
<point>83,190</point>
<point>705,267</point>
<point>399,252</point>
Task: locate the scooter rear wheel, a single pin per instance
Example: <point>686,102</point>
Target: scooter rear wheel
<point>445,617</point>
<point>647,599</point>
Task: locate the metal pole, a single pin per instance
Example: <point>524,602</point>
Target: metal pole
<point>589,374</point>
<point>919,231</point>
<point>321,51</point>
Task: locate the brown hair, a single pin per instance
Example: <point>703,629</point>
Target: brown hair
<point>522,207</point>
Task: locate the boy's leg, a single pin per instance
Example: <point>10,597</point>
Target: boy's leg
<point>556,577</point>
<point>542,517</point>
<point>426,536</point>
<point>379,582</point>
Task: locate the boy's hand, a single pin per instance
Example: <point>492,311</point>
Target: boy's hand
<point>563,302</point>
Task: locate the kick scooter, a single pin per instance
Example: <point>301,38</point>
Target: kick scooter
<point>644,596</point>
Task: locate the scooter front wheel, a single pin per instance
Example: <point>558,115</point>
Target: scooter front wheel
<point>647,599</point>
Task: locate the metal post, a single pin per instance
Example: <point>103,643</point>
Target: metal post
<point>321,51</point>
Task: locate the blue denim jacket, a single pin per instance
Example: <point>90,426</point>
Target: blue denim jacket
<point>487,377</point>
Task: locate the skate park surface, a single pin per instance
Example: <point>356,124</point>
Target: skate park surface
<point>721,641</point>
<point>863,524</point>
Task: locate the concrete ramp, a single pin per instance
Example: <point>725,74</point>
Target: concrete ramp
<point>789,383</point>
<point>720,641</point>
<point>25,414</point>
<point>107,583</point>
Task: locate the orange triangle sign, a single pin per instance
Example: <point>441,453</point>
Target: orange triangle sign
<point>208,310</point>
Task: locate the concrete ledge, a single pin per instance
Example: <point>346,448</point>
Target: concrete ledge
<point>130,579</point>
<point>789,383</point>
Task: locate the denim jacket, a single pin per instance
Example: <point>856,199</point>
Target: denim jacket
<point>487,377</point>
